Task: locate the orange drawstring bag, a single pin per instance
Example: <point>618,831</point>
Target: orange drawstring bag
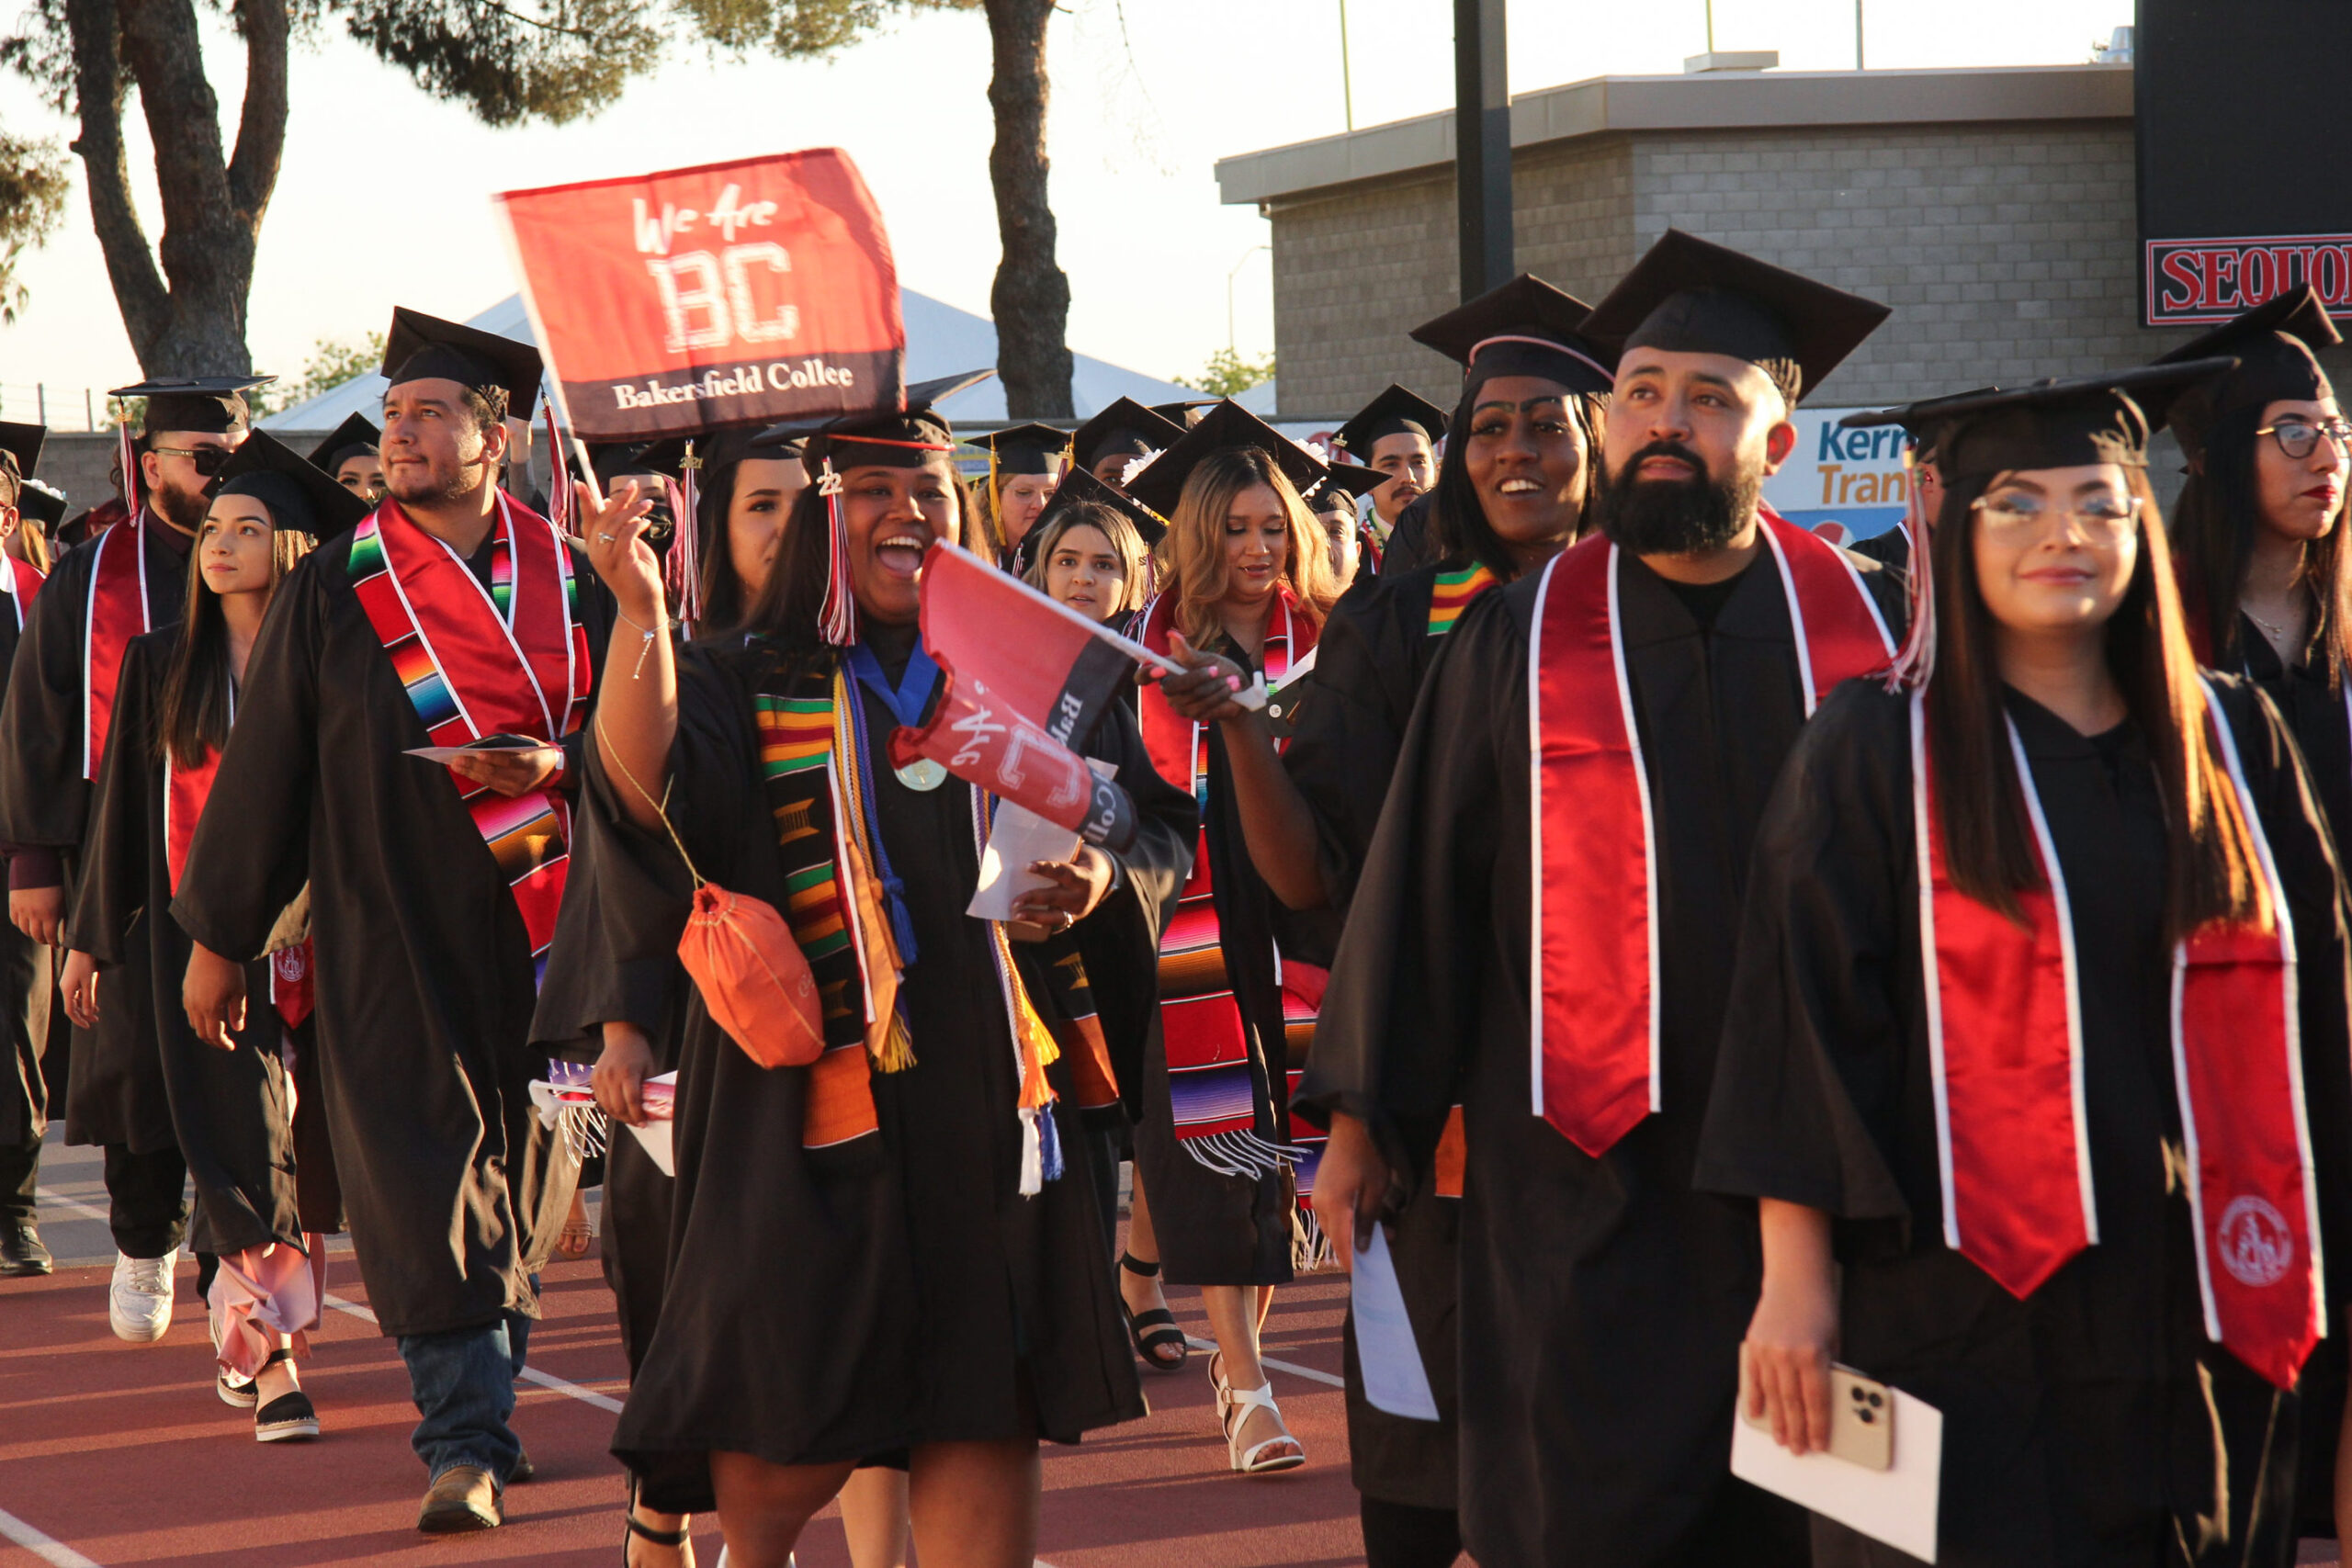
<point>739,952</point>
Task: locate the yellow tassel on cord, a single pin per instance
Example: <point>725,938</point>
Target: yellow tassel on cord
<point>888,1045</point>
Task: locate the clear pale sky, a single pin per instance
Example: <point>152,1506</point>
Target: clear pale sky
<point>384,196</point>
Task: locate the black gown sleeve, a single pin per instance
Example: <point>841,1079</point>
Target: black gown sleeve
<point>114,882</point>
<point>44,800</point>
<point>1349,725</point>
<point>247,864</point>
<point>1399,1018</point>
<point>1815,1048</point>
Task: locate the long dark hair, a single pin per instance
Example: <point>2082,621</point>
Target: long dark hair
<point>1458,525</point>
<point>722,586</point>
<point>193,722</point>
<point>2216,522</point>
<point>1980,807</point>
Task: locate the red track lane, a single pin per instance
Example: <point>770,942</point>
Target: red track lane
<point>122,1453</point>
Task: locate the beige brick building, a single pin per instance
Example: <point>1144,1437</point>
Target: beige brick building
<point>1993,209</point>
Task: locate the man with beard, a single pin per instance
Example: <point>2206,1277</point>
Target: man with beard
<point>1543,927</point>
<point>452,614</point>
<point>129,579</point>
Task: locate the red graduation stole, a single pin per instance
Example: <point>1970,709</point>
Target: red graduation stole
<point>1210,1083</point>
<point>510,660</point>
<point>2005,1045</point>
<point>23,582</point>
<point>116,612</point>
<point>1594,1010</point>
<point>185,791</point>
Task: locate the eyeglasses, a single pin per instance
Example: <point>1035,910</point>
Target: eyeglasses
<point>2296,437</point>
<point>210,460</point>
<point>2105,518</point>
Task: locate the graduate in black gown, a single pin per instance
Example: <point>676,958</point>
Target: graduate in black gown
<point>1532,403</point>
<point>432,888</point>
<point>2075,1202</point>
<point>134,577</point>
<point>894,1251</point>
<point>1395,435</point>
<point>246,1112</point>
<point>1120,436</point>
<point>2267,579</point>
<point>1024,462</point>
<point>1601,1298</point>
<point>25,987</point>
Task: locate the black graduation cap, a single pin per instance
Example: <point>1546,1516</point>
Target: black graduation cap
<point>1127,429</point>
<point>420,347</point>
<point>1394,412</point>
<point>1526,327</point>
<point>209,404</point>
<point>1224,426</point>
<point>43,504</point>
<point>300,494</point>
<point>900,436</point>
<point>611,459</point>
<point>1185,413</point>
<point>1078,487</point>
<point>1345,483</point>
<point>2275,345</point>
<point>1924,422</point>
<point>21,446</point>
<point>2050,424</point>
<point>1692,296</point>
<point>1023,448</point>
<point>356,436</point>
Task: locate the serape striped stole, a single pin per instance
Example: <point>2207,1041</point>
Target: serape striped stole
<point>509,660</point>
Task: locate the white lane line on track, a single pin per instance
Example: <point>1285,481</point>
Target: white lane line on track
<point>529,1375</point>
<point>47,1548</point>
<point>46,1199</point>
<point>1292,1367</point>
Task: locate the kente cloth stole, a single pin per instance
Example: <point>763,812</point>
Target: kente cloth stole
<point>23,582</point>
<point>512,660</point>
<point>292,978</point>
<point>1593,1061</point>
<point>2005,1051</point>
<point>117,611</point>
<point>814,781</point>
<point>1455,592</point>
<point>1221,1094</point>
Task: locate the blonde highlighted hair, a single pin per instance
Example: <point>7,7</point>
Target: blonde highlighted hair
<point>1193,555</point>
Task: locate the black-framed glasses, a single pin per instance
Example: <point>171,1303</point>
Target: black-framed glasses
<point>210,460</point>
<point>2296,437</point>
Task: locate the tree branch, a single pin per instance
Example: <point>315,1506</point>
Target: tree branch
<point>261,123</point>
<point>207,248</point>
<point>100,88</point>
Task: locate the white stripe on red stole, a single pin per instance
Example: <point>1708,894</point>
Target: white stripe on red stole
<point>2016,1169</point>
<point>23,582</point>
<point>1595,1039</point>
<point>106,630</point>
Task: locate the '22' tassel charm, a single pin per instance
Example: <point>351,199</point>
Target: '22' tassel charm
<point>837,621</point>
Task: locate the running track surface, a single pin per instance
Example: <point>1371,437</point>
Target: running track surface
<point>114,1454</point>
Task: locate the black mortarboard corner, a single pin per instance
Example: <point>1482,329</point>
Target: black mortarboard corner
<point>1524,328</point>
<point>1923,422</point>
<point>211,405</point>
<point>422,347</point>
<point>1692,296</point>
<point>1022,449</point>
<point>1186,413</point>
<point>20,448</point>
<point>898,437</point>
<point>356,436</point>
<point>1227,425</point>
<point>2050,424</point>
<point>300,494</point>
<point>1078,487</point>
<point>43,504</point>
<point>1344,484</point>
<point>2275,345</point>
<point>612,460</point>
<point>1127,429</point>
<point>1394,412</point>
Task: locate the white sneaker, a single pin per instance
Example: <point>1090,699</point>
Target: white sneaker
<point>139,1303</point>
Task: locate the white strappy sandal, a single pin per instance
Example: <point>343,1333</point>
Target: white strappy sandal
<point>1253,1460</point>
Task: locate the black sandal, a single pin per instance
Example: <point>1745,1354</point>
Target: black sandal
<point>676,1540</point>
<point>1154,1328</point>
<point>288,1418</point>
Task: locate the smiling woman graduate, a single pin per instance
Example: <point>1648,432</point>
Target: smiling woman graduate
<point>895,1251</point>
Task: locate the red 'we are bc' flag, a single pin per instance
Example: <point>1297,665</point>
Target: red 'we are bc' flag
<point>760,289</point>
<point>1023,683</point>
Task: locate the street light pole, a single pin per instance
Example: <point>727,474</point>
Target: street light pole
<point>1482,145</point>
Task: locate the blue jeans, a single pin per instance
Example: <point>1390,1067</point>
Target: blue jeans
<point>463,1383</point>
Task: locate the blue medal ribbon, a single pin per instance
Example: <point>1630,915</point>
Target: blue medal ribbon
<point>906,703</point>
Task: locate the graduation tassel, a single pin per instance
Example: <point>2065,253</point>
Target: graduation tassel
<point>837,620</point>
<point>688,544</point>
<point>563,508</point>
<point>127,454</point>
<point>1914,662</point>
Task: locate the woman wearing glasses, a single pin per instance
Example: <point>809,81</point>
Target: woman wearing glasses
<point>2038,1070</point>
<point>2268,579</point>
